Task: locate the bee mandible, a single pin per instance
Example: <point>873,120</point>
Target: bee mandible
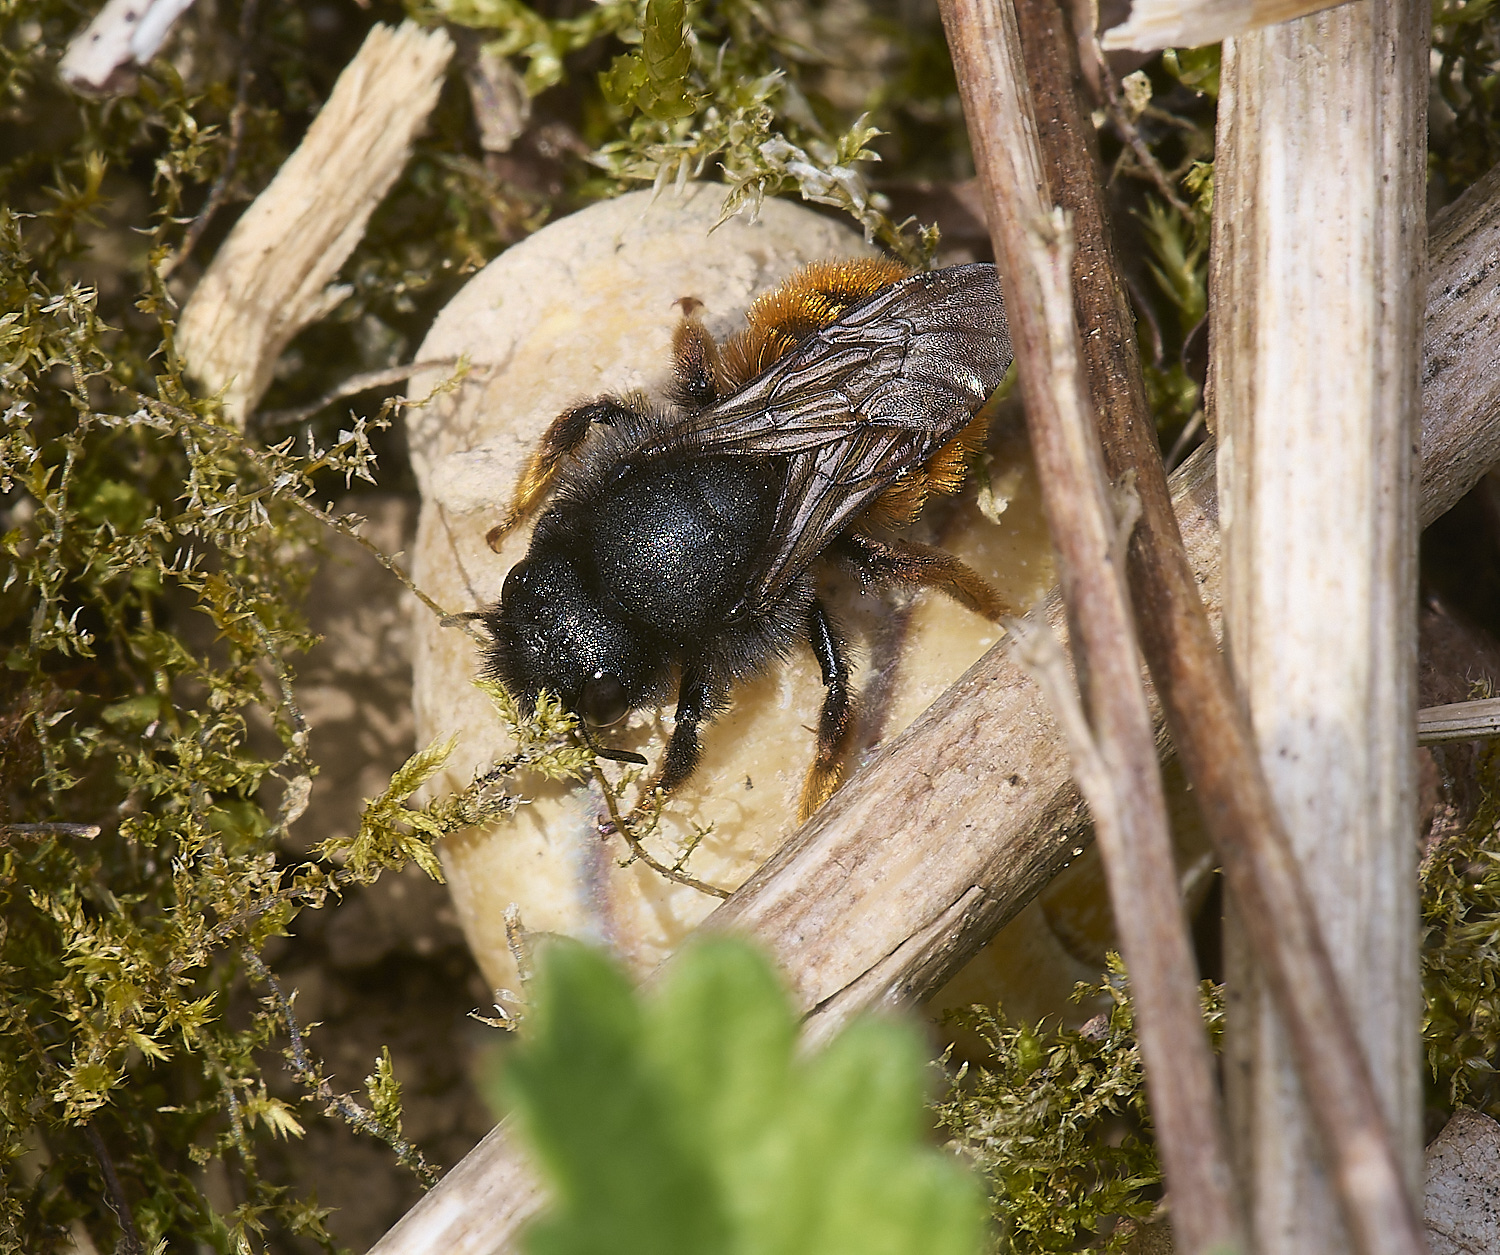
<point>679,542</point>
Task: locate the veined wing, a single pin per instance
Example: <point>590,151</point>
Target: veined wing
<point>859,403</point>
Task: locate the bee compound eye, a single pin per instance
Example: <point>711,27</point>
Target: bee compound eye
<point>604,701</point>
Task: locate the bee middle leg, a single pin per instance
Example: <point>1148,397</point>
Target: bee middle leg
<point>918,566</point>
<point>697,376</point>
<point>836,722</point>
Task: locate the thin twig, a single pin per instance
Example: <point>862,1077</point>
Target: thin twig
<point>35,832</point>
<point>1180,446</point>
<point>130,1239</point>
<point>639,851</point>
<point>350,387</point>
<point>1131,133</point>
<point>308,1073</point>
<point>220,188</point>
<point>1459,721</point>
<point>1034,250</point>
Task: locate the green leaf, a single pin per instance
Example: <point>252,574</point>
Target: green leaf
<point>598,1117</point>
<point>1195,68</point>
<point>687,1123</point>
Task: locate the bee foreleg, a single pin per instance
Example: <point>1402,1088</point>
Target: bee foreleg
<point>694,702</point>
<point>562,438</point>
<point>837,720</point>
<point>918,566</point>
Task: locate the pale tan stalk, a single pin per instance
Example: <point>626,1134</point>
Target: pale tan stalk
<point>1033,250</point>
<point>275,273</point>
<point>1156,24</point>
<point>1316,288</point>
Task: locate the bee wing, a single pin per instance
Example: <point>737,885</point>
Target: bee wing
<point>858,403</point>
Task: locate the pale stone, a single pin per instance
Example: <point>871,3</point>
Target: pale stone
<point>1462,1196</point>
<point>587,306</point>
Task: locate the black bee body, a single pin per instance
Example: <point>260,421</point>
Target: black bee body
<point>680,543</point>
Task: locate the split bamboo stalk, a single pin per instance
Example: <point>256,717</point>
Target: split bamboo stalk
<point>1316,304</point>
<point>1203,712</point>
<point>947,833</point>
<point>1125,790</point>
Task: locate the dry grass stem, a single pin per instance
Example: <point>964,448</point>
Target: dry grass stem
<point>1316,306</point>
<point>1461,721</point>
<point>1034,251</point>
<point>1203,712</point>
<point>274,274</point>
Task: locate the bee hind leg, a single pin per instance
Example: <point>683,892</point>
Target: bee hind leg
<point>836,723</point>
<point>562,438</point>
<point>902,563</point>
<point>697,375</point>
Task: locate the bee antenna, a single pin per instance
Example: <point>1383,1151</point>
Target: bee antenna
<point>616,756</point>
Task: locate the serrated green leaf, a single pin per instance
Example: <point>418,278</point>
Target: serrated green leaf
<point>598,1117</point>
<point>687,1123</point>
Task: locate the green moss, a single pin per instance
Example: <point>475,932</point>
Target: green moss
<point>1057,1123</point>
<point>1461,958</point>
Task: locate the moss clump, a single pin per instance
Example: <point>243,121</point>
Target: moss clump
<point>1056,1121</point>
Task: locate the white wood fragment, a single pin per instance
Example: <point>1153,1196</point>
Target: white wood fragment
<point>274,274</point>
<point>1318,223</point>
<point>1154,24</point>
<point>124,35</point>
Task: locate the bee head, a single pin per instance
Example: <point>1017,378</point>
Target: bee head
<point>550,631</point>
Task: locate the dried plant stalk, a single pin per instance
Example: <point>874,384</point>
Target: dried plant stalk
<point>1458,352</point>
<point>1202,709</point>
<point>1154,24</point>
<point>954,826</point>
<point>1115,761</point>
<point>1125,791</point>
<point>1316,288</point>
<point>274,274</point>
<point>1458,721</point>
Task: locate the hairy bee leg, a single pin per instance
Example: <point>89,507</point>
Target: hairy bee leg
<point>919,566</point>
<point>837,719</point>
<point>695,363</point>
<point>694,701</point>
<point>566,432</point>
